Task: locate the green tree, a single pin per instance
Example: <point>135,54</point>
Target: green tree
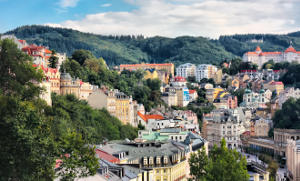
<point>81,55</point>
<point>78,159</point>
<point>53,60</point>
<point>223,165</point>
<point>28,150</point>
<point>288,117</point>
<point>199,164</point>
<point>29,147</point>
<point>17,75</point>
<point>239,94</point>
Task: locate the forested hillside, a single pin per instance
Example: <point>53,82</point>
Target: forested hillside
<point>134,49</point>
<point>126,49</point>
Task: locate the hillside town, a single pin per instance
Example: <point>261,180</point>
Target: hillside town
<point>169,134</point>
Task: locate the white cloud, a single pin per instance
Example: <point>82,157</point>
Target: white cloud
<point>68,3</point>
<point>105,5</point>
<point>209,18</point>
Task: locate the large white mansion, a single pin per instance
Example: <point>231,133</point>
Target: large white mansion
<point>259,57</point>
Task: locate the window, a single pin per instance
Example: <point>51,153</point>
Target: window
<point>157,171</point>
<point>165,170</point>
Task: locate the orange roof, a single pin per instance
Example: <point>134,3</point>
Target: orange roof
<point>258,49</point>
<point>153,116</point>
<point>106,156</point>
<point>269,53</point>
<point>48,51</point>
<point>46,69</point>
<point>22,41</point>
<point>137,65</point>
<point>290,49</point>
<point>192,91</point>
<point>179,79</point>
<point>276,83</point>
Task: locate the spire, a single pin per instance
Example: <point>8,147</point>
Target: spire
<point>258,49</point>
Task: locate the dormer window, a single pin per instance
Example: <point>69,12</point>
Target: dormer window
<point>151,161</point>
<point>165,160</point>
<point>145,161</point>
<point>158,160</point>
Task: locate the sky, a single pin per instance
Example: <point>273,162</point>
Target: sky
<point>171,18</point>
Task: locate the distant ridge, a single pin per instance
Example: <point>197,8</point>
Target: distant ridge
<point>135,49</point>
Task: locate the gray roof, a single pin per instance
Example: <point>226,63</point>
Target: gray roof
<point>139,150</point>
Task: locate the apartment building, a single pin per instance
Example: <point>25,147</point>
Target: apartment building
<point>205,71</point>
<point>186,70</point>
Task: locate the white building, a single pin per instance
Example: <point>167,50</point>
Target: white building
<point>205,71</point>
<point>259,57</point>
<point>186,70</point>
<point>293,159</point>
<point>255,99</point>
<point>224,123</point>
<point>20,43</point>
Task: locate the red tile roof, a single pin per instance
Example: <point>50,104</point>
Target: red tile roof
<point>153,116</point>
<point>106,156</point>
<point>290,49</point>
<point>269,53</point>
<point>276,83</point>
<point>179,79</point>
<point>192,91</point>
<point>46,69</point>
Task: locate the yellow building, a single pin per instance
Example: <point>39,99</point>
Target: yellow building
<point>117,104</point>
<point>235,83</point>
<point>218,76</point>
<point>80,89</point>
<point>68,85</point>
<point>168,67</point>
<point>167,160</point>
<point>151,74</point>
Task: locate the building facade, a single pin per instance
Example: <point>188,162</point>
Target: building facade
<point>205,71</point>
<point>293,159</point>
<point>186,70</point>
<point>117,104</point>
<point>224,123</point>
<point>255,99</point>
<point>259,57</point>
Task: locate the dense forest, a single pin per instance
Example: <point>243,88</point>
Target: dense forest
<point>126,49</point>
<point>133,49</point>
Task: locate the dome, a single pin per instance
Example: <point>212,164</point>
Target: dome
<point>65,76</point>
<point>258,49</point>
<point>262,91</point>
<point>248,91</point>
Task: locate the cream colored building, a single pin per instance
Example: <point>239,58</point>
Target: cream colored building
<point>168,161</point>
<point>224,123</point>
<point>262,127</point>
<point>170,98</point>
<point>217,76</point>
<point>293,159</point>
<point>117,104</point>
<point>205,71</point>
